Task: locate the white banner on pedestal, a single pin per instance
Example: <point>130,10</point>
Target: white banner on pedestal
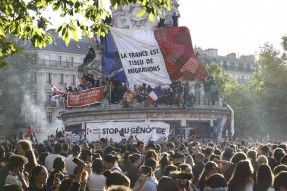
<point>150,131</point>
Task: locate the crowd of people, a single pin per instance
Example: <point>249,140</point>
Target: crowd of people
<point>175,165</point>
<point>179,94</point>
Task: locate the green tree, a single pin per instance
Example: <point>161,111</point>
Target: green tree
<point>24,19</point>
<point>270,84</point>
<point>242,99</point>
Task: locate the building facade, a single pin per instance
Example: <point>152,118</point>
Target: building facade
<point>57,66</point>
<point>240,68</point>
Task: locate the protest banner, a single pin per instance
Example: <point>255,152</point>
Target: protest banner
<point>85,97</point>
<point>144,131</point>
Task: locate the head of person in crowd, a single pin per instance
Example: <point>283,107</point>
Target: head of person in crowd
<point>39,177</point>
<point>262,159</point>
<point>59,164</point>
<point>66,184</point>
<point>284,160</point>
<point>280,183</point>
<point>2,155</point>
<point>178,158</point>
<point>150,154</point>
<point>199,158</point>
<point>110,161</point>
<point>114,178</point>
<point>169,146</point>
<point>12,187</point>
<point>164,161</point>
<point>283,146</point>
<point>252,155</point>
<point>279,168</point>
<point>86,155</point>
<point>264,178</point>
<point>118,188</point>
<point>168,169</point>
<point>23,147</point>
<point>278,153</point>
<point>242,176</point>
<point>227,154</point>
<point>98,145</point>
<point>140,146</point>
<point>185,168</point>
<point>76,150</point>
<point>135,159</point>
<point>237,157</point>
<point>16,163</point>
<point>42,158</point>
<point>215,182</point>
<point>58,148</point>
<point>183,180</point>
<point>209,169</point>
<point>151,163</point>
<point>167,184</point>
<point>264,150</point>
<point>208,151</point>
<point>151,146</point>
<point>98,166</point>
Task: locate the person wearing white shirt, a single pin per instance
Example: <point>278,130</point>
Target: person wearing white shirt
<point>97,181</point>
<point>50,158</point>
<point>70,165</point>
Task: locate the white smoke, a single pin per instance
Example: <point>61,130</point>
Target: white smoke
<point>36,116</point>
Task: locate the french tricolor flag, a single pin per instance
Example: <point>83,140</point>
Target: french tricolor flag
<point>153,95</point>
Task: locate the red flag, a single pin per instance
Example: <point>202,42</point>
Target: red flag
<point>28,133</point>
<point>179,56</point>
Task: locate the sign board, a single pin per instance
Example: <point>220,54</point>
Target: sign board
<point>144,131</point>
<point>85,97</point>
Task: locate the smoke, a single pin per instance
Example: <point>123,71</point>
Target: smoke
<point>36,116</point>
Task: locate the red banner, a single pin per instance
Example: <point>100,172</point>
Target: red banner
<point>85,97</point>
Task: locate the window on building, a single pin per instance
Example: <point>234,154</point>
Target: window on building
<point>70,61</point>
<point>61,79</point>
<point>34,77</point>
<point>49,78</point>
<point>73,82</point>
<point>59,60</point>
<point>46,59</point>
<point>49,117</point>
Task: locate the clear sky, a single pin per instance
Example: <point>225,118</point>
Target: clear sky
<point>239,26</point>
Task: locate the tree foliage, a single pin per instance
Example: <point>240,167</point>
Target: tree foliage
<point>24,19</point>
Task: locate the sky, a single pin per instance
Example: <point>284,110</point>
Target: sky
<point>239,26</point>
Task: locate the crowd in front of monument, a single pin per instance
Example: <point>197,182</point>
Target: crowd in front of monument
<point>174,165</point>
<point>178,94</point>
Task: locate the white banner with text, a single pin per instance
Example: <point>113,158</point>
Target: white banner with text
<point>117,131</point>
<point>141,57</point>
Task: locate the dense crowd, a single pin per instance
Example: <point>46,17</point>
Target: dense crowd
<point>176,165</point>
<point>179,94</point>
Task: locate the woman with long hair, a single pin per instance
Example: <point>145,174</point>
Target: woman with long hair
<point>32,161</point>
<point>264,178</point>
<point>38,179</point>
<point>209,169</point>
<point>97,180</point>
<point>59,166</point>
<point>133,169</point>
<point>150,154</point>
<point>241,179</point>
<point>164,161</point>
